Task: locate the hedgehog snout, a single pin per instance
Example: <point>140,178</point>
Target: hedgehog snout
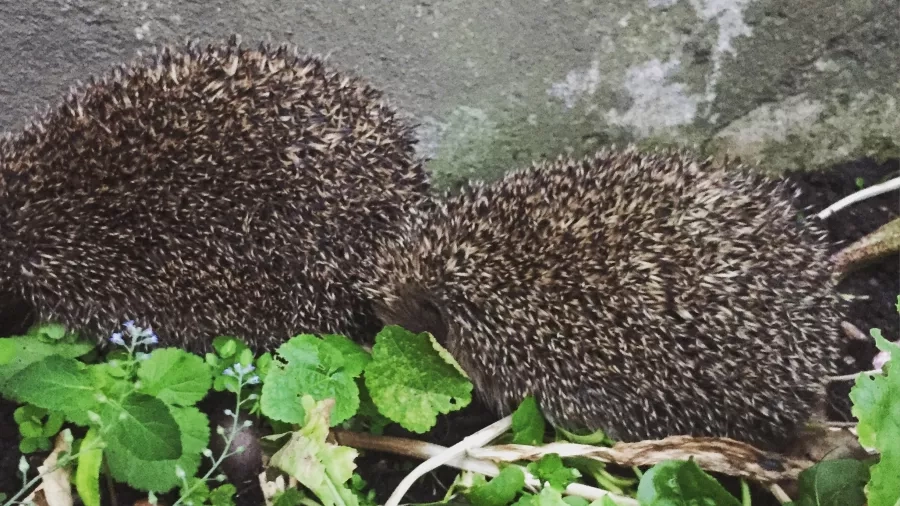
<point>416,311</point>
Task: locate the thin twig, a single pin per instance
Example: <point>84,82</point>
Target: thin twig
<point>410,448</point>
<point>859,196</point>
<point>853,332</point>
<point>779,493</point>
<point>852,376</point>
<point>722,455</point>
<point>422,450</point>
<point>477,439</point>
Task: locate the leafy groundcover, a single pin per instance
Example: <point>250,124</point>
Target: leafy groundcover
<point>129,415</point>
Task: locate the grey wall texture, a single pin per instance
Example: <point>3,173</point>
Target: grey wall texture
<point>493,84</point>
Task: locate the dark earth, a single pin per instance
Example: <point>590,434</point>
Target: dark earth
<point>875,289</point>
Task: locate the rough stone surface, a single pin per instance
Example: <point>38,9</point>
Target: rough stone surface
<point>794,85</point>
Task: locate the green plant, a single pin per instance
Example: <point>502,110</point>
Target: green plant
<point>136,407</point>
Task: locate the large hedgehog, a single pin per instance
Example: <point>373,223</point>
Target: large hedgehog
<point>206,191</point>
<point>644,294</point>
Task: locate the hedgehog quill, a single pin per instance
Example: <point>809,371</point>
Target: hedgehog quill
<point>643,294</point>
<point>206,191</point>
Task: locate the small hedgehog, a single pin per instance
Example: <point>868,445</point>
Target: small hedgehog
<point>643,294</point>
<point>206,191</point>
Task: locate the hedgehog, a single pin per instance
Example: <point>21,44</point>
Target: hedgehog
<point>206,191</point>
<point>644,294</point>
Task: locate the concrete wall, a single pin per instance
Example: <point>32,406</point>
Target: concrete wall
<point>496,83</point>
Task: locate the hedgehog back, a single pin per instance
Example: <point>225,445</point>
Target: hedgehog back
<point>206,191</point>
<point>643,294</point>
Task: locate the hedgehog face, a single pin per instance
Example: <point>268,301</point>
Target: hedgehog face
<point>416,312</point>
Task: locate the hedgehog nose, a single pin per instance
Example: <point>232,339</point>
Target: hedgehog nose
<point>415,312</point>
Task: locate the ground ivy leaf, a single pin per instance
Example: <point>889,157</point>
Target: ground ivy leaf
<point>7,351</point>
<point>548,496</point>
<point>676,482</point>
<point>312,352</point>
<point>572,500</point>
<point>322,467</point>
<point>837,482</point>
<point>159,475</point>
<point>223,495</point>
<point>355,357</point>
<point>175,376</point>
<point>550,469</point>
<point>528,423</point>
<point>876,400</point>
<point>87,475</point>
<point>314,367</point>
<point>409,381</point>
<point>501,490</point>
<point>57,383</point>
<point>286,385</point>
<point>30,349</point>
<point>54,331</point>
<point>144,427</point>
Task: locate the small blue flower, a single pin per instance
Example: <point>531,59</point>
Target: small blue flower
<point>117,339</point>
<point>150,336</point>
<point>253,380</point>
<point>242,370</point>
<point>129,324</point>
<point>228,372</point>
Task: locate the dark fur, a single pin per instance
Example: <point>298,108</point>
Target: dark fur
<point>206,191</point>
<point>645,294</point>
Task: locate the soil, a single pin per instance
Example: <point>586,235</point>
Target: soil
<point>875,290</point>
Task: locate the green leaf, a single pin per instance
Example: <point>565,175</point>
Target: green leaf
<point>354,356</point>
<point>369,413</point>
<point>29,412</point>
<point>87,475</point>
<point>550,469</point>
<point>57,383</point>
<point>528,423</point>
<point>320,466</point>
<point>548,496</point>
<point>143,427</point>
<point>30,349</point>
<point>199,491</point>
<point>410,382</point>
<point>33,444</point>
<point>53,331</point>
<point>676,482</point>
<point>159,475</point>
<point>312,352</point>
<point>223,495</point>
<point>175,376</point>
<point>7,351</point>
<point>284,386</point>
<point>314,367</point>
<point>290,497</point>
<point>501,490</point>
<point>876,404</point>
<point>31,429</point>
<point>54,424</point>
<point>833,483</point>
<point>573,500</point>
<point>227,346</point>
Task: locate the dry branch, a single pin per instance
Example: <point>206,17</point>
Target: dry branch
<point>721,455</point>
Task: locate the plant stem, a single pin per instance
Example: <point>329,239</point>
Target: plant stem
<point>64,461</point>
<point>859,196</point>
<point>228,441</point>
<point>745,493</point>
